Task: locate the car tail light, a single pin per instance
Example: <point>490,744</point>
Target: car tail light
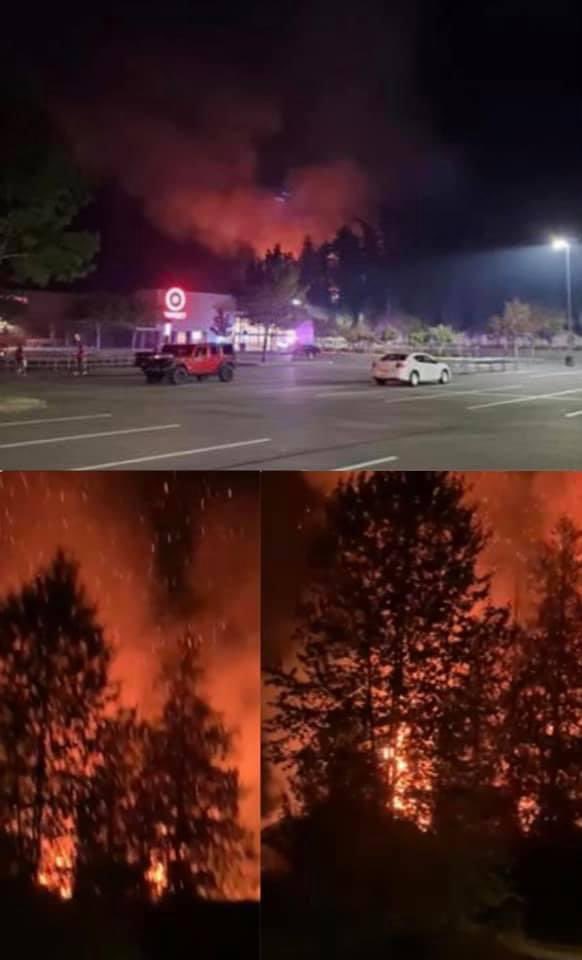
<point>398,364</point>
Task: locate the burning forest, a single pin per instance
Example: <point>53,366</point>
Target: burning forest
<point>424,716</point>
<point>129,687</point>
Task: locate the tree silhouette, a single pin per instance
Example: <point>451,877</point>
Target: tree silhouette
<point>99,313</point>
<point>271,284</point>
<point>41,196</point>
<point>222,322</point>
<point>111,855</point>
<point>383,637</point>
<point>189,794</point>
<point>472,729</point>
<point>357,272</point>
<point>53,686</point>
<point>545,719</point>
<point>513,323</point>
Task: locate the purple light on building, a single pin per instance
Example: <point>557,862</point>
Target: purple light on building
<point>304,332</point>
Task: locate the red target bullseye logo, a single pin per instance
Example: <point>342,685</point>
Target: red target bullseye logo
<point>175,299</point>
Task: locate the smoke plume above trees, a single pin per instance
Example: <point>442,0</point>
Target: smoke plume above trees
<point>245,155</point>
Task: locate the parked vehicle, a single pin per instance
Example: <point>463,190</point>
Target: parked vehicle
<point>178,363</point>
<point>306,351</point>
<point>142,357</point>
<point>411,368</point>
<point>333,343</point>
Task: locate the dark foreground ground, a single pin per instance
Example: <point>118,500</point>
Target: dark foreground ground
<point>354,945</point>
<point>359,945</point>
<point>70,931</point>
<point>311,415</point>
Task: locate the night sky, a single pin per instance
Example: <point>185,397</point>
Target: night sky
<point>459,122</point>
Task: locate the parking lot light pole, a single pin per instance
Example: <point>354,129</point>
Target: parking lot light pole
<point>561,243</point>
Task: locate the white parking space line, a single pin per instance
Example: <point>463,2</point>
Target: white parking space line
<point>500,389</point>
<point>484,392</point>
<point>24,423</point>
<point>365,463</point>
<point>574,413</point>
<point>87,436</point>
<point>556,373</point>
<point>423,395</point>
<point>170,456</point>
<point>526,399</point>
<point>364,391</point>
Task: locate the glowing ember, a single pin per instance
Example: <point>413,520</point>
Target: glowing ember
<point>56,869</point>
<point>397,772</point>
<point>156,877</point>
<point>527,810</point>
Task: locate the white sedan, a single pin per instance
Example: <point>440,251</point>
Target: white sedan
<point>411,368</point>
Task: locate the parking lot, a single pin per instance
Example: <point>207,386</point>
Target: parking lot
<point>323,414</point>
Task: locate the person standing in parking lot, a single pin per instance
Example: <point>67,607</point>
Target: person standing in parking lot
<point>80,358</point>
<point>20,360</point>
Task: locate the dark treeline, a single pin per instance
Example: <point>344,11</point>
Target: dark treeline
<point>431,744</point>
<point>358,284</point>
<point>125,819</point>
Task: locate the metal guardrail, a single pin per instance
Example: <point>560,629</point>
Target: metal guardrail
<point>473,364</point>
<point>63,359</point>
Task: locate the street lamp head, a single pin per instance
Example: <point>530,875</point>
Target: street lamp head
<point>296,301</point>
<point>561,243</point>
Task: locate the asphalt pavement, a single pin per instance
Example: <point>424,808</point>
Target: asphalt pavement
<point>323,414</point>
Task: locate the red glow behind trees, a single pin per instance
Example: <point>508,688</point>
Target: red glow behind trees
<point>384,638</point>
<point>189,797</point>
<point>476,727</point>
<point>545,718</point>
<point>94,802</point>
<point>157,552</point>
<point>54,686</point>
<point>111,849</point>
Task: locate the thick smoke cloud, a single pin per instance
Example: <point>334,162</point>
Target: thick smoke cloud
<point>204,185</point>
<point>298,138</point>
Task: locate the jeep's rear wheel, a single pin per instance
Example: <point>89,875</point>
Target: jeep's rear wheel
<point>179,375</point>
<point>225,373</point>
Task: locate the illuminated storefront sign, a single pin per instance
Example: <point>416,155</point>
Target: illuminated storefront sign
<point>175,301</point>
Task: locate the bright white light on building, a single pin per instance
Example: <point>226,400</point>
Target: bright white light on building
<point>175,301</point>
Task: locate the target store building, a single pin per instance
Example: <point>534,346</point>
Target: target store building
<point>184,316</point>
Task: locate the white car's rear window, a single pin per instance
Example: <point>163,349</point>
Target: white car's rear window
<point>395,356</point>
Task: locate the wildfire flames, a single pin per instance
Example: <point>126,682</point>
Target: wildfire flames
<point>133,568</point>
<point>397,769</point>
<point>57,864</point>
<point>157,877</point>
<point>521,510</point>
